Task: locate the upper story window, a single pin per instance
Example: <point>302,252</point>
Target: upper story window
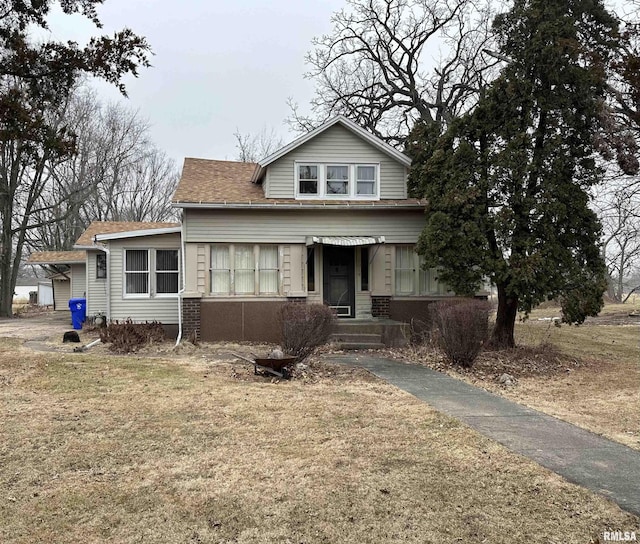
<point>340,181</point>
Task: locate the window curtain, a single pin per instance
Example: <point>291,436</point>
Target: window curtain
<point>220,272</point>
<point>404,269</point>
<point>137,271</point>
<point>244,270</point>
<point>268,266</point>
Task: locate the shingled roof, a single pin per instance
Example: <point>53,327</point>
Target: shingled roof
<point>112,227</point>
<point>205,181</point>
<point>56,257</point>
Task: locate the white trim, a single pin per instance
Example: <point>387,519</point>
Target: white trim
<point>151,272</point>
<point>346,123</point>
<point>137,233</point>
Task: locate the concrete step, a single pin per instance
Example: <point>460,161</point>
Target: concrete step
<point>359,345</point>
<point>356,337</point>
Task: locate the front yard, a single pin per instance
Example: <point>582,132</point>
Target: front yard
<point>188,448</point>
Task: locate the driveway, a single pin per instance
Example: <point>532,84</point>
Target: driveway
<point>40,327</point>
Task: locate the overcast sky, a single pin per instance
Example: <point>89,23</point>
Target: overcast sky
<point>218,66</point>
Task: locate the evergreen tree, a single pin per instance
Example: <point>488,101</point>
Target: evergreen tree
<point>508,184</point>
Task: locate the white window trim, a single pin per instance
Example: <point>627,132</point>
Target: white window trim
<point>151,271</point>
<point>322,181</point>
<point>256,263</point>
<point>155,273</point>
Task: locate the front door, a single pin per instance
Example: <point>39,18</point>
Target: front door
<point>339,279</point>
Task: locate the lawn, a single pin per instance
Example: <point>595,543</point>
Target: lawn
<point>98,448</point>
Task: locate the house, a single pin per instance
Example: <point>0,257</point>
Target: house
<point>67,274</point>
<point>325,219</point>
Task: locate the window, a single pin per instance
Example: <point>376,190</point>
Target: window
<point>308,179</point>
<point>337,180</point>
<point>166,271</point>
<point>220,270</point>
<point>136,271</point>
<point>268,270</point>
<point>347,181</point>
<point>366,180</point>
<point>101,266</point>
<point>150,272</point>
<point>411,278</point>
<point>364,268</point>
<point>405,269</point>
<point>244,269</point>
<point>311,269</point>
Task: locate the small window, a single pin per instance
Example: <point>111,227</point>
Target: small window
<point>337,180</point>
<point>137,271</point>
<point>364,268</point>
<point>220,270</point>
<point>101,266</point>
<point>366,180</point>
<point>308,179</point>
<point>311,269</point>
<point>166,271</point>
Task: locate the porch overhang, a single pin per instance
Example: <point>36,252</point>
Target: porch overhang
<point>345,241</point>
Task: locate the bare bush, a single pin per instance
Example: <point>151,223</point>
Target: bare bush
<point>128,337</point>
<point>462,329</point>
<point>304,327</point>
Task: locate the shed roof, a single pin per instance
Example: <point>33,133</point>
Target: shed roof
<point>112,227</point>
<point>57,257</point>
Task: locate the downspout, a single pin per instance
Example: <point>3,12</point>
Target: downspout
<point>184,283</point>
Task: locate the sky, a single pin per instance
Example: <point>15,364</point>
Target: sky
<point>218,67</point>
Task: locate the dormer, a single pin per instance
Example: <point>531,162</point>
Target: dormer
<point>338,161</point>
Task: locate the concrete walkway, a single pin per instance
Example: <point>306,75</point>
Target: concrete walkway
<point>580,456</point>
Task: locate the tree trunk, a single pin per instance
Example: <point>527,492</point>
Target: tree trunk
<point>503,332</point>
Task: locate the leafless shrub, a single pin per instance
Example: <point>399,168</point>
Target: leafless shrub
<point>304,327</point>
<point>462,329</point>
<point>128,337</point>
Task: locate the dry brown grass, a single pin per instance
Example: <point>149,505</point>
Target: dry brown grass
<point>96,448</point>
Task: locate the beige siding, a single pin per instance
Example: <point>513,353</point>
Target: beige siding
<point>293,226</point>
<point>61,294</point>
<point>96,288</point>
<point>336,144</point>
<point>363,305</point>
<point>163,309</point>
<point>295,269</point>
<point>380,278</point>
<point>78,280</point>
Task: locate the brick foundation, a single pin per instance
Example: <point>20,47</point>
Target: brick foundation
<point>380,306</point>
<point>191,318</point>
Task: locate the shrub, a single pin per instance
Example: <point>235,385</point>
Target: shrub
<point>462,328</point>
<point>127,337</point>
<point>304,327</point>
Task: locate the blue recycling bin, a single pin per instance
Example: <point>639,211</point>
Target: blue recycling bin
<point>78,307</point>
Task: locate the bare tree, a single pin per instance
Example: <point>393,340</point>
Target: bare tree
<point>252,148</point>
<point>388,63</point>
<point>618,205</point>
<point>116,174</point>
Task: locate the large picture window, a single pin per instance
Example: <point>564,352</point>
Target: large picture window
<point>242,269</point>
<point>151,272</point>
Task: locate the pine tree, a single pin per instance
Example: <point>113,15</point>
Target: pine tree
<point>508,184</point>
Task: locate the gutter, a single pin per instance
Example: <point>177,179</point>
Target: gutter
<point>301,206</point>
<point>108,293</point>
